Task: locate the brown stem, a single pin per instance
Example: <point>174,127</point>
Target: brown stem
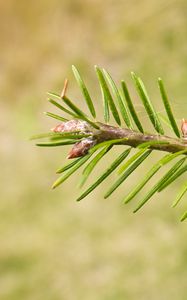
<point>134,138</point>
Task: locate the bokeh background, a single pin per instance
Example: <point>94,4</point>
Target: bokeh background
<point>50,246</point>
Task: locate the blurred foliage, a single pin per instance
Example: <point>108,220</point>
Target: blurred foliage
<point>52,247</point>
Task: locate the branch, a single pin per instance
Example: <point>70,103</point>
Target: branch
<point>92,140</point>
<point>134,139</point>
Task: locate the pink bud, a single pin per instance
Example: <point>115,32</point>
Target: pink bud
<point>72,125</point>
<point>81,148</point>
<point>58,128</point>
<point>184,128</point>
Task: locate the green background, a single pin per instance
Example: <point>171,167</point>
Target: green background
<point>52,247</point>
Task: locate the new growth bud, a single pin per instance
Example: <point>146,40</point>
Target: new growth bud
<point>184,128</point>
<point>72,126</point>
<point>81,148</point>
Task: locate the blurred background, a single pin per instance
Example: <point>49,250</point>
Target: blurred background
<point>52,247</point>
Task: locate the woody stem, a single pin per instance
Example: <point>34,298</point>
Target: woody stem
<point>134,138</point>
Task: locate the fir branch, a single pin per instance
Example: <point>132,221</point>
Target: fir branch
<point>90,136</point>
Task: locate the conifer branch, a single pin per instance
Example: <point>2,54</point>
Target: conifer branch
<point>92,139</point>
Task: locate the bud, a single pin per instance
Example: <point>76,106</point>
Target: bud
<point>81,148</point>
<point>72,126</point>
<point>184,128</point>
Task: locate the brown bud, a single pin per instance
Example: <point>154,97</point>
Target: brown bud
<point>81,148</point>
<point>184,128</point>
<point>71,126</point>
